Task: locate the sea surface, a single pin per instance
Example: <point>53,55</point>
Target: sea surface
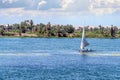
<point>59,59</point>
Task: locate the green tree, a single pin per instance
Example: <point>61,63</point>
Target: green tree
<point>70,29</point>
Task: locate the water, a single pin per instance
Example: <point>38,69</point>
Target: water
<point>58,59</point>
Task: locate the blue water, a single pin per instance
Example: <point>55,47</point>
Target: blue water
<point>58,59</point>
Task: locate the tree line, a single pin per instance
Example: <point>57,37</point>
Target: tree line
<point>28,28</point>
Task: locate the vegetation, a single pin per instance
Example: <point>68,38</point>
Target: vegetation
<point>27,28</point>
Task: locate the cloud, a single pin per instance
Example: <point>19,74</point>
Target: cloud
<point>41,3</point>
<point>11,11</point>
<point>22,12</point>
<point>65,4</point>
<point>9,1</point>
<point>27,4</point>
<point>101,7</point>
<point>59,7</point>
<point>48,4</point>
<point>97,7</point>
<point>75,5</point>
<point>105,3</point>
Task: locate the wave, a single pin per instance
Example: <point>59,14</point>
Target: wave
<point>102,54</point>
<point>24,54</point>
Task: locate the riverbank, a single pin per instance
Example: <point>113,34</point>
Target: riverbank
<point>28,29</point>
<point>25,35</point>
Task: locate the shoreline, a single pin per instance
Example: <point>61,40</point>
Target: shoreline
<point>54,37</point>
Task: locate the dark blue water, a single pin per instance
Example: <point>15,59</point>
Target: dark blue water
<point>58,59</point>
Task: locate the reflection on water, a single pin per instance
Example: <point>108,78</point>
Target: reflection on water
<point>58,59</point>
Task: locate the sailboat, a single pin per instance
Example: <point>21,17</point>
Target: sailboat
<point>84,43</point>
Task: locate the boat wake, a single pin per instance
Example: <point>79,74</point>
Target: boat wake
<point>102,54</point>
<point>24,54</point>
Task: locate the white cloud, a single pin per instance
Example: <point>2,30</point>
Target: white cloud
<point>98,7</point>
<point>104,6</point>
<point>41,3</point>
<point>22,12</point>
<point>67,7</point>
<point>74,5</point>
<point>9,1</point>
<point>12,11</point>
<point>66,3</point>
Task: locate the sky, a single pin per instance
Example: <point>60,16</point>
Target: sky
<point>75,12</point>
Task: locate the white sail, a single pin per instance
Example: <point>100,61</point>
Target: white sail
<point>84,42</point>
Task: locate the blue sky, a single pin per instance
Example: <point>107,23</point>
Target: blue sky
<point>75,12</point>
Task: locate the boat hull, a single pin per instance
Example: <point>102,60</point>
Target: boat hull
<point>86,50</point>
